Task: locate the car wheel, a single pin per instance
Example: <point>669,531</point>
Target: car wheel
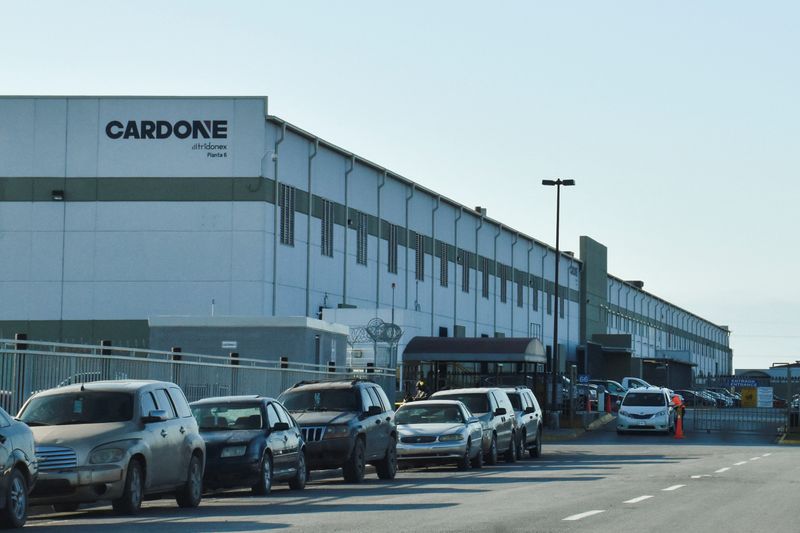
<point>298,482</point>
<point>15,512</point>
<point>264,484</point>
<point>463,463</point>
<point>387,467</point>
<point>353,469</point>
<point>536,451</point>
<point>491,455</point>
<point>190,494</point>
<point>477,462</point>
<point>511,453</point>
<point>523,441</point>
<point>131,500</point>
<point>65,507</point>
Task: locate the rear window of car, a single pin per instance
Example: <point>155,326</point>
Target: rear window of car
<point>516,400</point>
<point>83,407</point>
<point>321,400</point>
<point>645,399</point>
<point>477,403</point>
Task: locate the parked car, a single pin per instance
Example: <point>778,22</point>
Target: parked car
<point>613,388</point>
<point>529,420</point>
<point>251,441</point>
<point>694,399</point>
<point>721,399</point>
<point>734,400</point>
<point>439,431</point>
<point>494,410</point>
<point>646,409</point>
<point>18,470</point>
<point>634,383</point>
<point>586,393</point>
<point>345,424</point>
<point>115,440</point>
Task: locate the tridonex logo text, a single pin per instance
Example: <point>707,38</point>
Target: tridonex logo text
<point>163,129</point>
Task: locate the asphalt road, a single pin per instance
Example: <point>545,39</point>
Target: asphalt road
<point>599,482</point>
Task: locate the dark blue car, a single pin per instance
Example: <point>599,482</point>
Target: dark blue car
<point>251,441</point>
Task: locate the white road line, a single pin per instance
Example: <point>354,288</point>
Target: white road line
<point>703,475</point>
<point>740,463</point>
<point>755,458</point>
<point>766,455</point>
<point>639,499</point>
<point>674,487</point>
<point>721,470</point>
<point>582,515</point>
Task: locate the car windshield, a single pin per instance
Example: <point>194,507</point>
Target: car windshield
<point>429,414</point>
<point>227,416</point>
<point>477,403</point>
<point>516,401</point>
<point>321,400</point>
<point>644,399</point>
<point>83,407</point>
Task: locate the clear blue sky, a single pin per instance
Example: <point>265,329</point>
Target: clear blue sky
<point>678,120</point>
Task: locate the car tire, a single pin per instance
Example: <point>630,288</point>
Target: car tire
<point>190,494</point>
<point>353,469</point>
<point>523,441</point>
<point>491,455</point>
<point>511,454</point>
<point>65,507</point>
<point>15,512</point>
<point>536,451</point>
<point>464,462</point>
<point>298,482</point>
<point>264,484</point>
<point>477,462</point>
<point>132,494</point>
<point>387,467</point>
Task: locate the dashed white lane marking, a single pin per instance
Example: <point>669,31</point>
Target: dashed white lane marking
<point>703,475</point>
<point>721,470</point>
<point>673,487</point>
<point>740,463</point>
<point>639,499</point>
<point>582,515</point>
<point>755,458</point>
<point>766,455</point>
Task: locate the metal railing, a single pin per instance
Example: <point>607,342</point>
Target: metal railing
<point>28,366</point>
<point>765,420</point>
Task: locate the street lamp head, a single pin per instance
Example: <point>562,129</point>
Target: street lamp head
<point>548,182</point>
<point>567,182</point>
<point>558,182</point>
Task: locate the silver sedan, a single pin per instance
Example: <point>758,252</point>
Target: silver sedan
<point>438,431</point>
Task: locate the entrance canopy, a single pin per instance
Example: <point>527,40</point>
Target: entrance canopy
<point>481,349</point>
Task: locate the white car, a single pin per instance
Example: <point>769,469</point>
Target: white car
<point>646,409</point>
<point>634,383</point>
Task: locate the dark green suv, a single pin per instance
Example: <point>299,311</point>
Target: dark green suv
<point>345,424</point>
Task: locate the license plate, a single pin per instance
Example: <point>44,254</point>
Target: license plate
<point>641,422</point>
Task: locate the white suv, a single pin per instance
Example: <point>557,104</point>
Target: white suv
<point>646,409</point>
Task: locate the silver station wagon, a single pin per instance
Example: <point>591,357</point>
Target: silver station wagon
<point>115,440</point>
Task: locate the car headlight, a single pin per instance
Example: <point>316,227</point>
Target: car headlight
<point>233,451</point>
<point>625,413</point>
<point>661,413</point>
<point>336,432</point>
<point>451,437</point>
<point>106,455</point>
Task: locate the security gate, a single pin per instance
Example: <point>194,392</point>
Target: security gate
<point>765,420</point>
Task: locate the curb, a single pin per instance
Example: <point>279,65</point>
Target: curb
<point>788,442</point>
<point>600,422</point>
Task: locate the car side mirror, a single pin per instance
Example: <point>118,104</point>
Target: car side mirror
<point>473,420</point>
<point>156,415</point>
<point>530,409</point>
<point>280,426</point>
<point>500,411</point>
<point>373,410</point>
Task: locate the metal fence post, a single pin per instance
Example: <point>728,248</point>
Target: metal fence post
<point>176,369</point>
<point>234,372</point>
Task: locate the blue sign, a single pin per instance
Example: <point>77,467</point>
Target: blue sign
<point>583,378</point>
<point>743,382</point>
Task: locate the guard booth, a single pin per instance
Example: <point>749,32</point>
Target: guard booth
<point>458,362</point>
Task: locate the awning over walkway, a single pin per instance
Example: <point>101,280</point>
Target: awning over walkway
<point>481,349</point>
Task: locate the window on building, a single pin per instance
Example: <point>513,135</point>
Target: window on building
<point>561,306</point>
<point>503,283</point>
<point>327,228</point>
<point>443,264</point>
<point>549,304</point>
<point>465,261</point>
<point>286,198</point>
<point>361,241</point>
<point>485,275</point>
<point>419,247</point>
<point>534,294</point>
<point>519,293</point>
<point>392,265</point>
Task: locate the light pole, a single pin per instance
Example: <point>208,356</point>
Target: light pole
<point>554,353</point>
